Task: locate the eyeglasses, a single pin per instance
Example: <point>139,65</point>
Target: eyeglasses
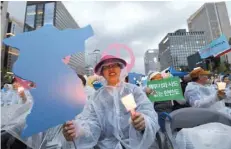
<point>110,66</point>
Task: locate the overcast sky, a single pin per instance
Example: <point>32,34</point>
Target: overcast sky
<point>139,25</point>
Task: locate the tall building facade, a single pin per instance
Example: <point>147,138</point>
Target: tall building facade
<point>176,47</point>
<point>151,62</point>
<point>77,62</point>
<point>14,27</point>
<point>213,19</point>
<point>93,58</point>
<point>89,70</point>
<point>4,18</point>
<point>4,25</point>
<point>39,13</point>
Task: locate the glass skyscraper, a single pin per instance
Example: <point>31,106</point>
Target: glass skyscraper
<point>212,18</point>
<point>176,47</point>
<point>151,61</point>
<point>39,13</point>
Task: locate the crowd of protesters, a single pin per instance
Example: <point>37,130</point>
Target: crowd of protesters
<point>105,123</point>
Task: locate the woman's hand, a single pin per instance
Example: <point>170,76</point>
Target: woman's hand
<point>138,121</point>
<point>22,94</point>
<point>69,131</point>
<point>221,94</point>
<point>148,90</point>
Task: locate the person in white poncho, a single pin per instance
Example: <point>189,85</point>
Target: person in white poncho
<point>226,79</point>
<point>105,123</point>
<point>199,94</point>
<point>15,94</point>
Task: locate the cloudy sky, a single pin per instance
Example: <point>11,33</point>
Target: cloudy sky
<point>139,25</point>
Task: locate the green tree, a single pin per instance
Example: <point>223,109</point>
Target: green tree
<point>5,77</point>
<point>222,68</point>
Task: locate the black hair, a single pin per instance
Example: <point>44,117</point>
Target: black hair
<point>13,81</point>
<point>32,84</point>
<point>195,79</point>
<point>126,79</point>
<point>82,79</point>
<point>167,71</point>
<point>225,76</point>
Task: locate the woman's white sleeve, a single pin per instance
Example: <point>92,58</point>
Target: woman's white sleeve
<point>196,100</point>
<point>88,127</point>
<point>146,138</point>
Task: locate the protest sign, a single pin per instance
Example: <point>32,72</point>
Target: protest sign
<point>215,48</point>
<point>134,78</point>
<point>59,94</point>
<point>166,89</point>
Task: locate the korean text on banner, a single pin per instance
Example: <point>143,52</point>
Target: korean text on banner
<point>216,47</point>
<point>166,89</point>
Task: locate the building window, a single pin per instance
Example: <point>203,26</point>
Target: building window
<point>30,16</point>
<point>39,16</point>
<point>49,13</point>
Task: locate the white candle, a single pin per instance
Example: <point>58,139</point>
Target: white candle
<point>221,85</point>
<point>20,89</point>
<point>129,102</point>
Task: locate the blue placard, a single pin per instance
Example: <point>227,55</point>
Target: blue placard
<point>134,78</point>
<point>217,46</point>
<point>59,94</point>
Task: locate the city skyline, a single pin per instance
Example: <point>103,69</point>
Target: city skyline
<point>141,30</point>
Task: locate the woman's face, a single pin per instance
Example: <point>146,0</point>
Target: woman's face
<point>112,73</point>
<point>226,80</point>
<point>157,77</point>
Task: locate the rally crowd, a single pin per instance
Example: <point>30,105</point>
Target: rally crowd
<point>106,122</point>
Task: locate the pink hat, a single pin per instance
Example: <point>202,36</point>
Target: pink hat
<point>108,59</point>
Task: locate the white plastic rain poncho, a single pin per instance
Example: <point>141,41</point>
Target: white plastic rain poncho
<point>200,96</point>
<point>13,121</point>
<point>89,91</point>
<point>210,136</point>
<point>11,96</point>
<point>228,94</point>
<point>104,121</point>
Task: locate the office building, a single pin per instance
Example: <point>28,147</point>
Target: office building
<point>89,70</point>
<point>10,55</point>
<point>77,62</point>
<point>195,60</point>
<point>14,27</point>
<point>93,58</point>
<point>214,20</point>
<point>39,13</point>
<point>4,25</point>
<point>151,62</point>
<point>4,18</point>
<point>176,47</point>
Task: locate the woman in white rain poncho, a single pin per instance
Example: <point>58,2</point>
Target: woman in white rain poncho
<point>13,95</point>
<point>199,95</point>
<point>105,121</point>
<point>226,79</point>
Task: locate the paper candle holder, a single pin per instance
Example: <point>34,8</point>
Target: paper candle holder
<point>221,85</point>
